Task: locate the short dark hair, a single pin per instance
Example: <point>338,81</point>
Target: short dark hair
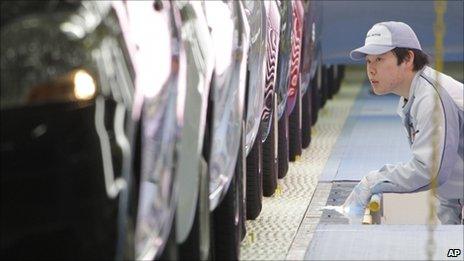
<point>420,58</point>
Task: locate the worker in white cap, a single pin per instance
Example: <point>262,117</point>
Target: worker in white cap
<point>431,110</point>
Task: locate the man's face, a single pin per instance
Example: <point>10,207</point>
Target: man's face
<point>384,74</point>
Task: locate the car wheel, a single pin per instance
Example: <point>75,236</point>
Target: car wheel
<point>170,251</point>
<point>227,217</point>
<point>254,179</point>
<point>331,82</point>
<point>315,96</point>
<point>342,72</point>
<point>324,86</point>
<point>283,145</point>
<point>306,118</point>
<point>242,184</point>
<point>270,159</point>
<point>339,76</point>
<point>294,129</point>
<point>336,78</point>
<point>197,244</point>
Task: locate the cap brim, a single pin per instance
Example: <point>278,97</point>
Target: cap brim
<point>373,49</point>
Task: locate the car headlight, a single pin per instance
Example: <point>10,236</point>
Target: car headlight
<point>76,85</point>
<point>84,85</point>
<point>74,54</point>
<point>40,64</point>
<point>70,55</point>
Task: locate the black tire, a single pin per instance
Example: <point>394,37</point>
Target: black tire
<point>331,82</point>
<point>170,251</point>
<point>270,160</point>
<point>294,129</point>
<point>315,97</point>
<point>190,248</point>
<point>226,223</point>
<point>242,183</point>
<point>324,88</point>
<point>199,238</point>
<point>283,146</point>
<point>254,180</point>
<point>337,78</point>
<point>342,71</point>
<point>340,76</point>
<point>228,216</point>
<point>306,118</point>
<point>197,244</point>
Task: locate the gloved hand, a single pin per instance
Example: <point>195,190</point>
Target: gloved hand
<point>372,183</point>
<point>357,201</point>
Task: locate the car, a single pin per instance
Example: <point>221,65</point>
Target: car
<point>269,121</point>
<point>294,91</point>
<point>192,213</point>
<point>308,69</point>
<point>256,80</point>
<point>321,78</point>
<point>160,76</point>
<point>261,122</point>
<point>67,90</point>
<point>225,128</point>
<point>210,213</point>
<point>282,83</point>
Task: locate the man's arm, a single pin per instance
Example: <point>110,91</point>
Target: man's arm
<point>432,134</point>
<point>413,175</point>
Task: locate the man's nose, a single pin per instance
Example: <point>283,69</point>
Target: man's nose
<point>371,70</point>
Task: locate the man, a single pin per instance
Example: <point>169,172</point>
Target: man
<point>431,109</point>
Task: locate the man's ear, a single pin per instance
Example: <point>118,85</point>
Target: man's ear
<point>409,60</point>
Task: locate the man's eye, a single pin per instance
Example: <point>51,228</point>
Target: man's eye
<point>378,59</point>
<point>367,61</point>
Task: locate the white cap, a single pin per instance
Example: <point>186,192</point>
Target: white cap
<point>386,36</point>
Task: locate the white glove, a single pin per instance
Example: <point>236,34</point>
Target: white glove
<point>357,201</point>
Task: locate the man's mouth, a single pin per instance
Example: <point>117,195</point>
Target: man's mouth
<point>374,81</point>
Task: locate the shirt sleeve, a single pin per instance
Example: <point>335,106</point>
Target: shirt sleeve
<point>415,174</point>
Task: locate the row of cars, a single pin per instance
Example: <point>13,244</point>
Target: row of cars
<point>151,129</point>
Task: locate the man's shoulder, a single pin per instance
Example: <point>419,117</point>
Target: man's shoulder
<point>437,79</point>
<point>427,87</point>
<point>428,78</point>
<point>439,83</point>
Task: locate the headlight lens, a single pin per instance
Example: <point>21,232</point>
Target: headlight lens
<point>76,85</point>
<point>84,85</point>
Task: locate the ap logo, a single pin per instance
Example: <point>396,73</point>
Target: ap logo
<point>454,252</point>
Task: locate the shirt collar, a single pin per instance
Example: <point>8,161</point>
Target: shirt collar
<point>405,104</point>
